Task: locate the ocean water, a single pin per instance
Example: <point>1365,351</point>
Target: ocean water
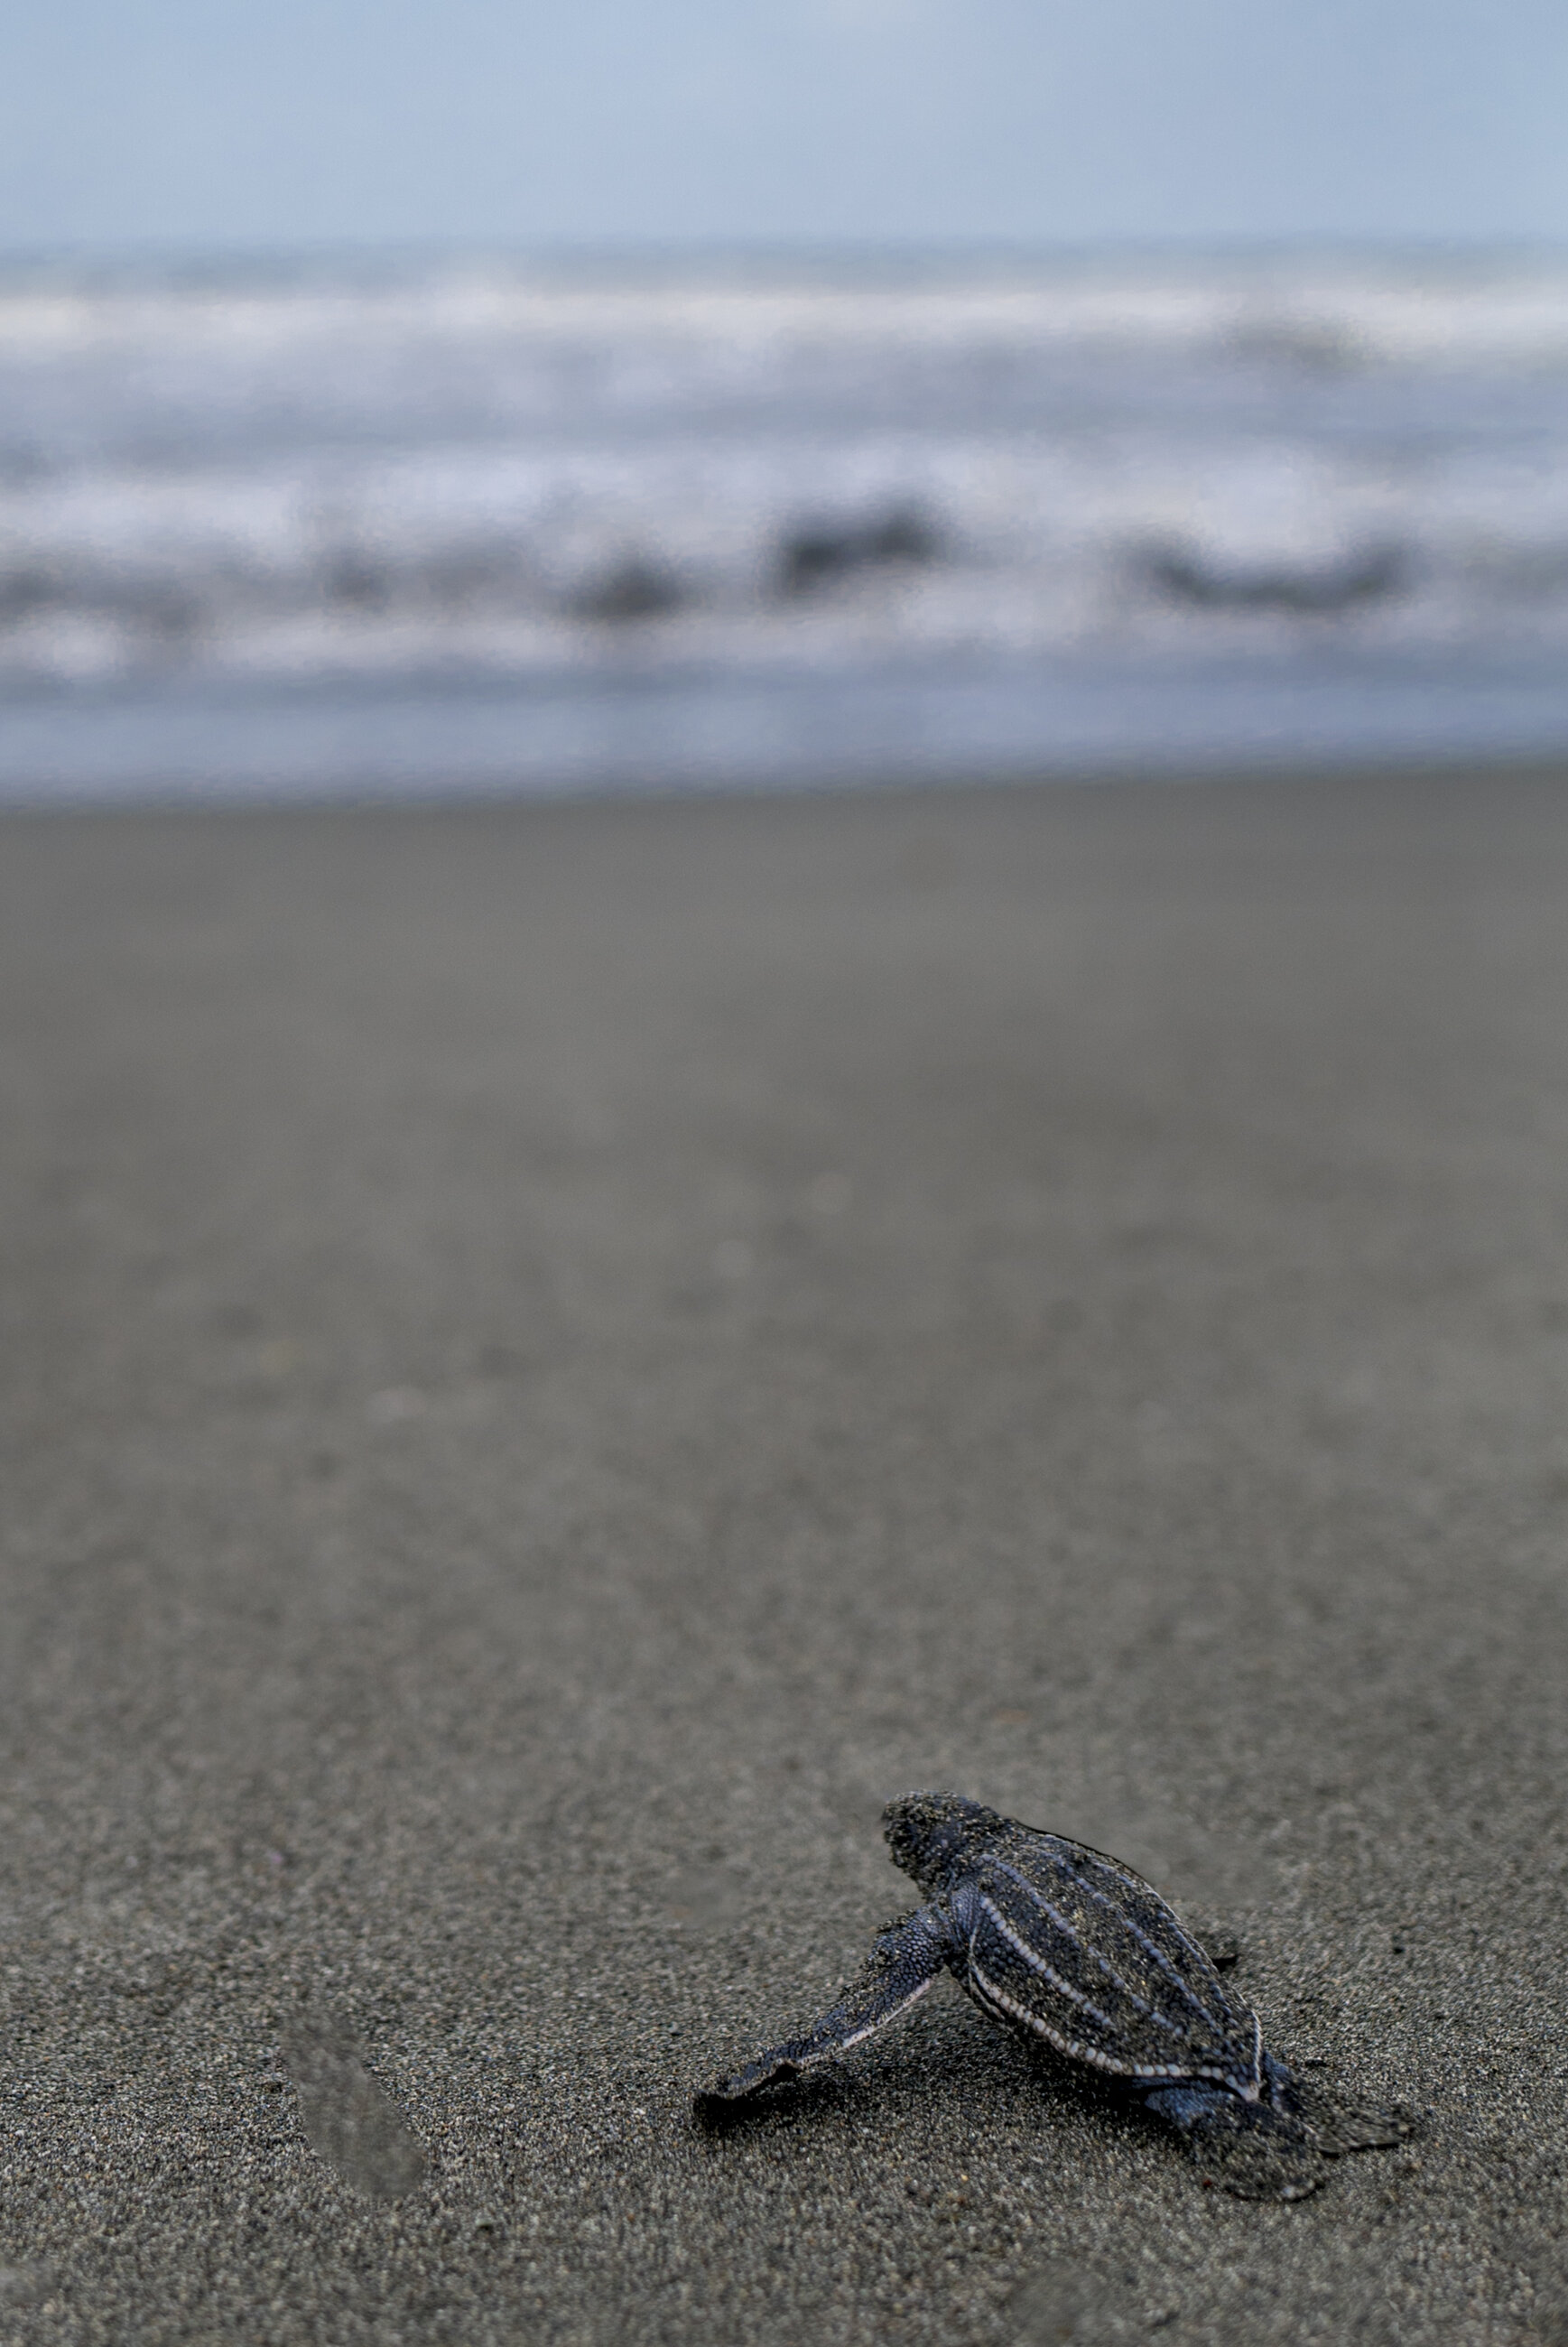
<point>409,524</point>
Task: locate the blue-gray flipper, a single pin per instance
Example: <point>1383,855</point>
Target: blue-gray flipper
<point>1246,2148</point>
<point>1270,2150</point>
<point>1336,2126</point>
<point>904,1962</point>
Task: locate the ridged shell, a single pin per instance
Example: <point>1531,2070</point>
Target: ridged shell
<point>1076,1949</point>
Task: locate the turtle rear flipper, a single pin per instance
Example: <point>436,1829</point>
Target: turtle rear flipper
<point>1243,2147</point>
<point>1338,2126</point>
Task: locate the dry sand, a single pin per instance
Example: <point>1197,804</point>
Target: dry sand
<point>553,1358</point>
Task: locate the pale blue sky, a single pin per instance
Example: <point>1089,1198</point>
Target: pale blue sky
<point>263,121</point>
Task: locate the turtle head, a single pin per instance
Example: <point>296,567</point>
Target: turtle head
<point>932,1836</point>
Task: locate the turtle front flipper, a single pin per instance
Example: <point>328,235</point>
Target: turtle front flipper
<point>1247,2148</point>
<point>904,1962</point>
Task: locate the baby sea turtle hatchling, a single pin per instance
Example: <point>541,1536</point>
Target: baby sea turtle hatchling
<point>1075,1950</point>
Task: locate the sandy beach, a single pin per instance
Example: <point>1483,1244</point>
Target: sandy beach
<point>555,1357</point>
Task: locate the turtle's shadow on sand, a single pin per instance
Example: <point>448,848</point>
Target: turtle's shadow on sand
<point>792,2102</point>
<point>957,2056</point>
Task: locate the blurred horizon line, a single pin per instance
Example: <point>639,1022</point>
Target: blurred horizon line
<point>846,251</point>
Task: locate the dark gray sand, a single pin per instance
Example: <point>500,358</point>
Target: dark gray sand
<point>553,1360</point>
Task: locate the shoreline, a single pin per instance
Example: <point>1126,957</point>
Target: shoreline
<point>960,783</point>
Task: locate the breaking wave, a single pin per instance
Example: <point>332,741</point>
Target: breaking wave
<point>281,476</point>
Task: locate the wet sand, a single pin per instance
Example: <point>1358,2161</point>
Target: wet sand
<point>554,1358</point>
